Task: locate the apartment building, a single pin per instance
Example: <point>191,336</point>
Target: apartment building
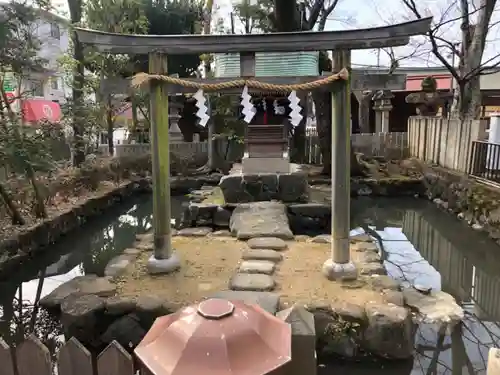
<point>45,91</point>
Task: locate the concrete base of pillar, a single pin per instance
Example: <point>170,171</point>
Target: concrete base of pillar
<point>163,266</point>
<point>339,271</point>
<point>493,362</point>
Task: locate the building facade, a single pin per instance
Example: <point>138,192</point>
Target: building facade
<point>53,33</point>
<point>41,93</point>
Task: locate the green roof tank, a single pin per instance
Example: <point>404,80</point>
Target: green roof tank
<point>289,64</point>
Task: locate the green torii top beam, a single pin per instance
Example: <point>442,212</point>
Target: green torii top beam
<point>341,42</point>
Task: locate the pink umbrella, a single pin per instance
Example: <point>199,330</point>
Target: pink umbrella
<point>216,337</point>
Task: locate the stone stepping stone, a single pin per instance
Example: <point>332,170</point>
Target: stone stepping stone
<point>262,254</point>
<point>256,282</point>
<point>360,238</point>
<point>322,238</point>
<point>364,247</point>
<point>194,232</point>
<point>257,266</point>
<point>269,243</point>
<point>372,269</point>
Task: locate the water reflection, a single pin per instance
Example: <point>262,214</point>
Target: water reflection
<point>85,251</point>
<point>450,256</point>
<point>425,246</point>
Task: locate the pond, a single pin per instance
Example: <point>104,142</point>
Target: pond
<point>85,251</point>
<point>422,244</point>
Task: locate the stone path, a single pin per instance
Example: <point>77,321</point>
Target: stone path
<point>258,265</point>
<point>260,219</point>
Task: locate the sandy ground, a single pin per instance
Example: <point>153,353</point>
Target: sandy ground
<point>300,279</point>
<point>209,263</point>
<point>206,266</point>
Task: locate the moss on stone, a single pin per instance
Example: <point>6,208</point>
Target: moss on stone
<point>216,197</point>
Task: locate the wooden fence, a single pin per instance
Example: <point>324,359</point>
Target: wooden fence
<point>446,142</point>
<point>31,357</point>
<point>144,148</point>
<point>387,145</point>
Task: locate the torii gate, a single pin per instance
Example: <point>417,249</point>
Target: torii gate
<point>339,265</point>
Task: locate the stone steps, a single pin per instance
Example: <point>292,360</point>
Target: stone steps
<point>258,265</point>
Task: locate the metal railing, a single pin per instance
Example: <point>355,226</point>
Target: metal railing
<point>485,161</point>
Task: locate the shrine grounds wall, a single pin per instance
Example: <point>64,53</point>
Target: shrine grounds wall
<point>442,141</point>
<point>387,145</point>
<point>390,146</point>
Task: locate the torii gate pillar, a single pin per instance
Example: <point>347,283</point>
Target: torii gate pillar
<point>164,260</point>
<point>339,266</point>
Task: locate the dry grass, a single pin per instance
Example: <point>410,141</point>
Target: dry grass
<point>208,264</point>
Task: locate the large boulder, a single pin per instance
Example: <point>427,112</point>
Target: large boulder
<point>126,330</point>
<point>79,286</point>
<point>390,331</point>
<point>436,307</point>
<point>260,219</point>
<point>82,317</point>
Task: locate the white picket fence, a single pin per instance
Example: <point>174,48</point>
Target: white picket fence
<point>387,145</point>
<point>443,141</point>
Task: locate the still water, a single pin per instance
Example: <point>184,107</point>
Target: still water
<point>422,245</point>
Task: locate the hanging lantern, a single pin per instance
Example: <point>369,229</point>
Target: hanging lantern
<point>248,108</point>
<point>295,116</point>
<point>202,113</point>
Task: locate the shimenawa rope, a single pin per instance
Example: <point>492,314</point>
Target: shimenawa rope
<point>144,78</point>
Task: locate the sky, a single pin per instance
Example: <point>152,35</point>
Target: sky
<point>351,14</point>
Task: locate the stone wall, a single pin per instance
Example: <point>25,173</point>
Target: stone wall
<point>35,239</point>
<point>89,311</point>
<point>477,204</point>
<point>26,244</point>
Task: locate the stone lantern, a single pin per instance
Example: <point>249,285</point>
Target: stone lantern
<point>174,132</point>
<point>382,107</point>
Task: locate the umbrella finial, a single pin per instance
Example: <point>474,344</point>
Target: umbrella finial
<point>215,308</point>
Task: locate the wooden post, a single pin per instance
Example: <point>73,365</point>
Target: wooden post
<point>339,266</point>
<point>163,260</point>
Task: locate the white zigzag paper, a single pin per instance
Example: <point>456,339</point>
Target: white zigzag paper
<point>202,112</point>
<point>248,108</point>
<point>295,116</point>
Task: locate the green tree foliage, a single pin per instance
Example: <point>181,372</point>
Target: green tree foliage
<point>173,18</point>
<point>23,151</point>
<point>116,16</point>
<point>255,16</point>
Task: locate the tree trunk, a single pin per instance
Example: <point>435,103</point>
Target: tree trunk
<point>211,164</point>
<point>135,120</point>
<point>39,209</point>
<point>78,84</point>
<point>323,104</point>
<point>110,126</point>
<point>469,99</point>
<point>15,215</point>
